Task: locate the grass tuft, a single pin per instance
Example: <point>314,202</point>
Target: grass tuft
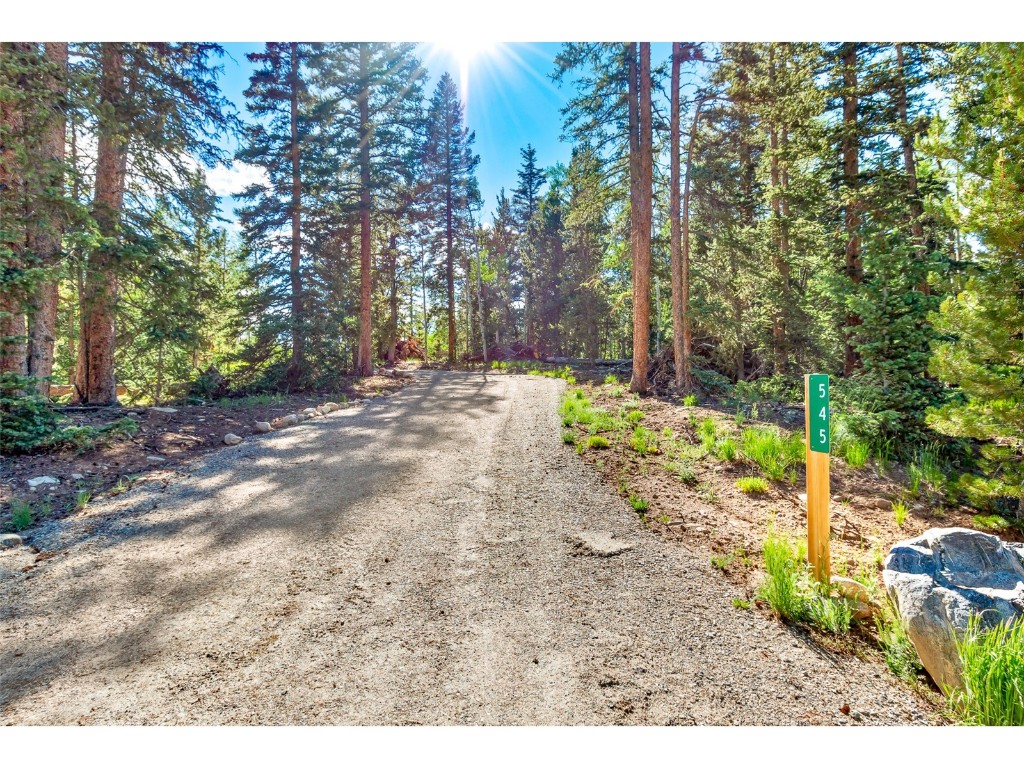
<point>752,484</point>
<point>899,513</point>
<point>596,441</point>
<point>21,514</point>
<point>993,674</point>
<point>638,503</point>
<point>690,400</point>
<point>771,452</point>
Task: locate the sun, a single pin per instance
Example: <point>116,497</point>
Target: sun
<point>466,51</point>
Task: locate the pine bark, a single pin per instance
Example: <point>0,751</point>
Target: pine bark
<point>96,384</point>
<point>365,365</point>
<point>641,174</point>
<point>42,331</point>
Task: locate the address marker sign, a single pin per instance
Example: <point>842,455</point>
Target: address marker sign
<point>818,407</point>
<point>816,417</point>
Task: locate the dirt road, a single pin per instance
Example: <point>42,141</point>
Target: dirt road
<point>434,557</point>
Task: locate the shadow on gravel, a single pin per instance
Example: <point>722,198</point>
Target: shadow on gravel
<point>231,498</point>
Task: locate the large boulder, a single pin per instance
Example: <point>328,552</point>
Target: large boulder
<point>943,577</point>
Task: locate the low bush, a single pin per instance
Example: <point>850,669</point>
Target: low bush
<point>596,441</point>
<point>569,438</point>
<point>690,401</point>
<point>21,514</point>
<point>855,453</point>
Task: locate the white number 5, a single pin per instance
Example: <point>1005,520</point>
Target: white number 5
<point>821,389</point>
<point>821,436</point>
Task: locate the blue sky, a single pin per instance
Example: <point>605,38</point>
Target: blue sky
<point>510,102</point>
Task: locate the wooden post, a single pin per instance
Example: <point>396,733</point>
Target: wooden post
<point>816,419</point>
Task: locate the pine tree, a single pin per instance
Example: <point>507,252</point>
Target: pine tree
<point>981,350</point>
<point>449,167</point>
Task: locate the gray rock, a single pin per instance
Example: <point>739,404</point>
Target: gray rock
<point>42,480</point>
<point>161,409</point>
<point>310,412</point>
<point>286,421</point>
<point>263,426</point>
<point>77,476</point>
<point>155,459</point>
<point>597,544</point>
<point>232,439</point>
<point>332,407</point>
<point>10,541</point>
<point>941,578</point>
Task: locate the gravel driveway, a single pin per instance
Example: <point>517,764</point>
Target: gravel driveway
<point>435,557</point>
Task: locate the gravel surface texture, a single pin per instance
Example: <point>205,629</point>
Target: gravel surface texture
<point>435,557</point>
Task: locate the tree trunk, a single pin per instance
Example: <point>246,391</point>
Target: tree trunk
<point>684,268</point>
<point>47,238</point>
<point>96,384</point>
<point>393,299</point>
<point>641,173</point>
<point>915,206</point>
<point>851,173</point>
<point>480,297</point>
<point>365,366</point>
<point>297,369</point>
<point>449,247</point>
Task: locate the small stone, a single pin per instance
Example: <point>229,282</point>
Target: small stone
<point>43,480</point>
<point>232,439</point>
<point>596,544</point>
<point>845,709</point>
<point>850,589</point>
<point>332,406</point>
<point>155,459</point>
<point>286,421</point>
<point>301,416</point>
<point>310,412</point>
<point>160,409</point>
<point>263,426</point>
<point>856,716</point>
<point>10,541</point>
<point>77,476</point>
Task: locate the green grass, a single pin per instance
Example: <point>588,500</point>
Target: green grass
<point>682,472</point>
<point>725,449</point>
<point>266,398</point>
<point>993,523</point>
<point>21,514</point>
<point>707,431</point>
<point>569,438</point>
<point>596,441</point>
<point>900,655</point>
<point>899,513</point>
<point>792,595</point>
<point>993,674</point>
<point>81,499</point>
<point>643,441</point>
<point>771,452</point>
<point>575,408</point>
<point>738,602</point>
<point>634,417</point>
<point>781,590</point>
<point>690,400</point>
<point>855,453</point>
<point>611,378</point>
<point>914,477</point>
<point>752,484</point>
<point>638,503</point>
